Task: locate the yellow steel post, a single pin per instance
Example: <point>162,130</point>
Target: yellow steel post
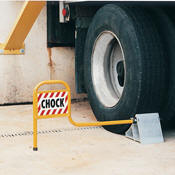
<point>35,148</point>
<point>15,41</point>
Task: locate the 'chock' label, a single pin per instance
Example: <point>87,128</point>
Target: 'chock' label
<point>52,103</point>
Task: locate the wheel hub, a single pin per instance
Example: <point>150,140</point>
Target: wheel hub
<point>108,69</point>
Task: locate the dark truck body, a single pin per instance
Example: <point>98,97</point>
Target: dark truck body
<point>73,32</point>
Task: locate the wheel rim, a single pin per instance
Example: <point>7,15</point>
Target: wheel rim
<point>108,68</point>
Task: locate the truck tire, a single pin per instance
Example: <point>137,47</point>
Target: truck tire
<point>165,23</point>
<point>123,65</point>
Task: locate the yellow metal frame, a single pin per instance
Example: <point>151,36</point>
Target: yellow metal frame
<point>67,89</point>
<point>14,44</point>
<point>35,105</point>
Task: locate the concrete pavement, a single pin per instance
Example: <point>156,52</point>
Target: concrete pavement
<point>76,151</point>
